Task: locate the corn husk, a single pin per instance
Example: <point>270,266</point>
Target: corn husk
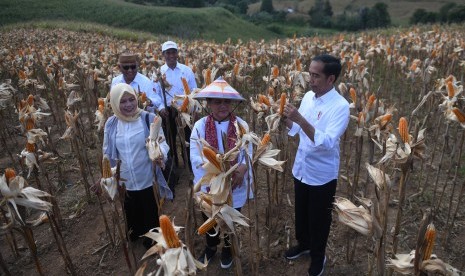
<point>357,218</point>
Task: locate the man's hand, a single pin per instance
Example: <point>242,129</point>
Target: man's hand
<point>238,176</point>
<point>292,113</point>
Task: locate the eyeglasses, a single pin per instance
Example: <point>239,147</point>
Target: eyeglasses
<point>126,67</point>
<point>221,101</point>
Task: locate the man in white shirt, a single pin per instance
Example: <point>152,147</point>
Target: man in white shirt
<point>128,65</point>
<point>174,71</point>
<point>320,121</point>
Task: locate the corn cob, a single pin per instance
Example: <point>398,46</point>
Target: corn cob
<point>371,100</point>
<point>22,75</point>
<point>169,234</point>
<point>266,139</point>
<point>184,105</point>
<point>430,236</point>
<point>298,65</point>
<point>30,99</point>
<point>353,95</point>
<point>356,57</point>
<point>186,61</point>
<point>385,119</point>
<point>9,174</point>
<point>236,69</point>
<point>275,72</point>
<point>263,99</point>
<point>106,168</point>
<point>29,123</point>
<point>101,101</point>
<point>208,76</point>
<point>253,62</point>
<point>206,226</point>
<point>271,91</point>
<point>143,97</point>
<point>185,85</point>
<point>403,130</point>
<point>30,147</point>
<point>211,157</point>
<point>282,103</point>
<point>459,114</point>
<point>450,89</point>
<point>413,67</point>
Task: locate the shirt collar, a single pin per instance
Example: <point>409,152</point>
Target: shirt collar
<point>326,97</point>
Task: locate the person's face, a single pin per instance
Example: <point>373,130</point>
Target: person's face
<point>319,82</point>
<point>220,108</point>
<point>171,57</point>
<point>128,104</point>
<point>129,71</point>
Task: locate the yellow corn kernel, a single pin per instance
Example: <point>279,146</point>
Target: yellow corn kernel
<point>185,85</point>
<point>208,76</point>
<point>236,69</point>
<point>30,123</point>
<point>9,174</point>
<point>266,139</point>
<point>263,99</point>
<point>403,130</point>
<point>385,119</point>
<point>22,75</point>
<point>356,57</point>
<point>459,114</point>
<point>211,157</point>
<point>184,105</point>
<point>353,95</point>
<point>298,65</point>
<point>370,102</point>
<point>450,89</point>
<point>30,99</point>
<point>206,226</point>
<point>143,97</point>
<point>430,236</point>
<point>30,147</point>
<point>106,167</point>
<point>169,234</point>
<point>282,103</point>
<point>270,91</point>
<point>275,72</point>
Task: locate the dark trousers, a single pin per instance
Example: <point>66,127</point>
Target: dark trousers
<point>169,125</point>
<point>213,241</point>
<point>141,212</point>
<point>313,207</point>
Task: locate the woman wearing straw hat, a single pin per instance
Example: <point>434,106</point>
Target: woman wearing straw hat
<point>124,139</point>
<point>221,99</point>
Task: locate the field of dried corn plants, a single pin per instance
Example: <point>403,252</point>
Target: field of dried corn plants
<point>402,178</point>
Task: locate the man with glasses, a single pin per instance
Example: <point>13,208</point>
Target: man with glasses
<point>173,71</point>
<point>128,65</point>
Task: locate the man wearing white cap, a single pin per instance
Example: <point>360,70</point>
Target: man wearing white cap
<point>174,71</point>
<point>128,64</point>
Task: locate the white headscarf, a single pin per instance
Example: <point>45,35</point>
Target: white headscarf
<point>116,93</point>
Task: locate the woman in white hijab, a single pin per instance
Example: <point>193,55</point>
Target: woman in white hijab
<point>124,139</point>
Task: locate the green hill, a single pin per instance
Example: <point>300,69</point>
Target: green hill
<point>203,23</point>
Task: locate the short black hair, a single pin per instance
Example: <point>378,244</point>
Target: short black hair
<point>332,65</point>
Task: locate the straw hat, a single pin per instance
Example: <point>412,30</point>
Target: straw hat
<point>219,89</point>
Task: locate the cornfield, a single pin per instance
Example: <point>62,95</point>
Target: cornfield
<point>402,178</point>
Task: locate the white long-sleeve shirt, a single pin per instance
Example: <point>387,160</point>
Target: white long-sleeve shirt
<point>239,194</point>
<point>317,163</point>
<point>173,76</point>
<point>141,84</point>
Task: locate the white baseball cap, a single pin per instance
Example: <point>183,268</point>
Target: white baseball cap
<point>169,45</point>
